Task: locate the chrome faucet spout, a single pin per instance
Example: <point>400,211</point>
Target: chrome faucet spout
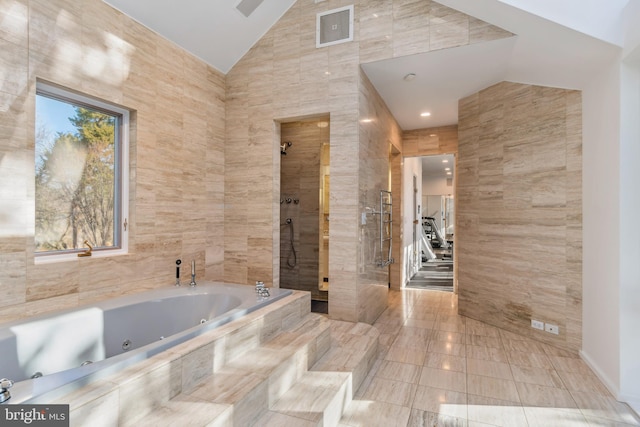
<point>193,274</point>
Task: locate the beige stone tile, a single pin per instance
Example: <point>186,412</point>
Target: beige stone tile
<point>605,407</point>
<point>543,417</point>
<point>276,419</point>
<point>531,360</point>
<point>366,413</point>
<point>601,422</point>
<point>442,347</point>
<point>420,323</point>
<point>496,412</point>
<point>394,392</point>
<point>489,369</point>
<point>570,364</point>
<point>185,410</point>
<point>424,418</point>
<point>317,396</point>
<point>523,345</point>
<point>102,411</point>
<point>494,388</point>
<point>406,355</point>
<point>404,372</point>
<point>539,376</point>
<point>439,401</point>
<point>583,382</point>
<point>544,396</point>
<point>484,341</point>
<point>413,342</point>
<point>446,362</point>
<point>446,336</point>
<point>147,385</point>
<point>486,353</point>
<point>440,378</point>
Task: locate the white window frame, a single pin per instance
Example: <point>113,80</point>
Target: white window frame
<point>121,176</point>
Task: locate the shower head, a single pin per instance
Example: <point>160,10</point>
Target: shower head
<point>283,148</point>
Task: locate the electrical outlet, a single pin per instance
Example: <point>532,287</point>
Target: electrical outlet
<point>536,324</point>
<point>551,328</point>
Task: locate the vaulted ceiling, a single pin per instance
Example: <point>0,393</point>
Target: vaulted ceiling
<point>553,46</point>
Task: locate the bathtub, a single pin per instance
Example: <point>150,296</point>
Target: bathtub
<point>53,354</point>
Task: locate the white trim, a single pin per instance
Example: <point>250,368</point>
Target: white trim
<point>329,12</point>
<point>122,167</point>
<point>604,378</point>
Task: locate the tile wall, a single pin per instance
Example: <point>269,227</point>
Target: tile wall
<point>284,77</point>
<point>177,163</point>
<point>519,210</point>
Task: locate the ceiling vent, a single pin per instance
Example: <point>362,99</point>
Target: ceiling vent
<point>246,7</point>
<point>334,26</point>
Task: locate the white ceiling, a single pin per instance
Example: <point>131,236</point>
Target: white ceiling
<point>213,30</point>
<point>442,77</point>
<point>543,53</point>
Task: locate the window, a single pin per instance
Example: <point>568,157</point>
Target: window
<point>81,175</point>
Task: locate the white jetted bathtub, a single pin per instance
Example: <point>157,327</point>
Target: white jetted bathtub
<point>46,353</point>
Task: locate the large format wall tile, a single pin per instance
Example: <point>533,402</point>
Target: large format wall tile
<point>284,78</point>
<point>176,165</point>
<point>519,210</point>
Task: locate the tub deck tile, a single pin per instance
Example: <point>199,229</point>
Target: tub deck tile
<point>185,410</point>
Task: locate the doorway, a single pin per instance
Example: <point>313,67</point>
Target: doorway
<point>434,228</point>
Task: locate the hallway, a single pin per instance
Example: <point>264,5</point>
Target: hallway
<point>437,368</point>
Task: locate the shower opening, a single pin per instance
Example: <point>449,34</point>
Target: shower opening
<point>304,206</point>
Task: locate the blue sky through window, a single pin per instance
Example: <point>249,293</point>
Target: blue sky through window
<point>54,115</point>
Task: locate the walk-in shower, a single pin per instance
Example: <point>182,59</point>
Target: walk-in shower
<point>304,206</point>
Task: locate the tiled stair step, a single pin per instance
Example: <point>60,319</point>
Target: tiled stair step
<point>320,397</point>
<point>354,349</point>
<point>242,390</point>
<point>317,399</point>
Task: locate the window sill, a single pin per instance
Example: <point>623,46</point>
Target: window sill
<point>52,259</point>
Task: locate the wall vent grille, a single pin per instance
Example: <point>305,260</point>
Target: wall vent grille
<point>334,26</point>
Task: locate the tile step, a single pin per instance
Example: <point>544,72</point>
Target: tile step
<point>321,396</point>
<point>244,388</point>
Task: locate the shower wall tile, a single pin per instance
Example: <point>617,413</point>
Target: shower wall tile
<point>300,179</point>
<point>176,166</point>
<point>519,210</point>
<point>286,78</point>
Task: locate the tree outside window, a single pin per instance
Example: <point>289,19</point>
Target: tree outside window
<point>78,165</point>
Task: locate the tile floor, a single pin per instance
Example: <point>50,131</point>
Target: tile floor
<point>436,368</point>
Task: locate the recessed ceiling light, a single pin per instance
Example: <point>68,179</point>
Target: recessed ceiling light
<point>425,114</point>
<point>366,120</point>
<point>409,77</point>
<point>445,161</point>
<point>433,135</point>
<point>323,124</point>
<point>447,169</point>
<point>448,173</point>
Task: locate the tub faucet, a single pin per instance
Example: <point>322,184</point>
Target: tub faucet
<point>5,385</point>
<point>193,274</point>
<point>261,290</point>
